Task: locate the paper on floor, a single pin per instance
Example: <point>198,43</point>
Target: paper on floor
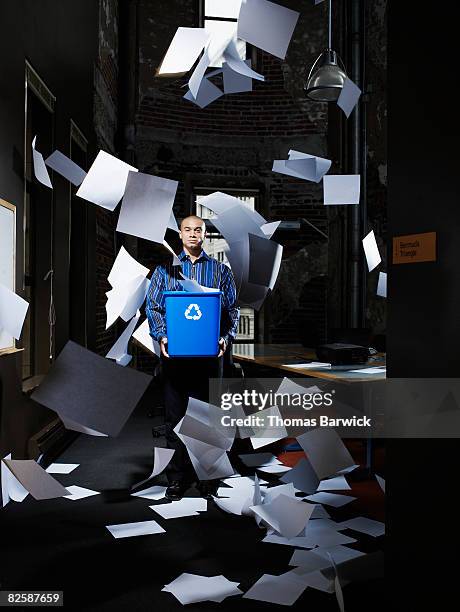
<point>129,530</point>
<point>282,590</point>
<point>77,492</point>
<point>33,479</point>
<point>155,493</point>
<point>61,468</point>
<point>190,588</point>
<point>331,499</point>
<point>161,458</point>
<point>187,506</point>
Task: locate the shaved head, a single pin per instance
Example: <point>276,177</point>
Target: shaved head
<point>192,219</point>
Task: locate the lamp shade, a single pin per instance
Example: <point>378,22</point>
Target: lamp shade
<point>326,77</point>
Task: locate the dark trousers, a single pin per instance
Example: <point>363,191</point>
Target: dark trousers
<point>184,378</point>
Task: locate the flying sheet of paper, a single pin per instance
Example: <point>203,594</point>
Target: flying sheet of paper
<point>381,482</point>
<point>234,223</point>
<point>135,299</point>
<point>302,476</point>
<point>325,451</point>
<point>242,482</point>
<point>125,268</point>
<point>129,530</point>
<point>105,182</point>
<point>142,335</point>
<point>364,525</point>
<point>190,588</point>
<point>264,261</point>
<point>161,458</point>
<point>285,514</point>
<point>267,25</point>
<point>207,94</point>
<point>13,310</point>
<point>283,590</point>
<point>267,435</point>
<point>312,365</point>
<point>40,171</point>
<point>77,493</point>
<point>331,499</point>
<point>172,223</point>
<point>274,469</point>
<point>187,506</point>
<point>64,166</point>
<point>258,459</point>
<point>308,559</point>
<point>120,349</point>
<point>338,483</point>
<point>310,172</point>
<point>147,206</point>
<point>315,580</point>
<point>61,468</point>
<point>11,487</point>
<point>154,493</point>
<point>124,300</point>
<point>184,50</point>
<point>34,479</point>
<point>229,9</point>
<point>382,285</point>
<point>222,34</point>
<point>371,251</point>
<point>197,76</point>
<point>320,533</point>
<point>234,61</point>
<point>234,82</point>
<point>341,188</point>
<point>270,228</point>
<point>106,399</point>
<point>176,260</point>
<point>340,554</point>
<point>349,97</point>
<point>219,202</point>
<point>191,285</point>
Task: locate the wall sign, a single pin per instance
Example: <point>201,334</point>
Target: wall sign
<point>414,248</point>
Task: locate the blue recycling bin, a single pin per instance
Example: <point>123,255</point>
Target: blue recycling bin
<point>192,323</point>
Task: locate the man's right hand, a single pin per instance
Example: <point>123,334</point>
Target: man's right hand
<point>163,345</point>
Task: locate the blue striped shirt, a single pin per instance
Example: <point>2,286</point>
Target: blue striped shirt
<point>207,272</point>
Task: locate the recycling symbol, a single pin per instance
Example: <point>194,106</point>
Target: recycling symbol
<point>193,312</point>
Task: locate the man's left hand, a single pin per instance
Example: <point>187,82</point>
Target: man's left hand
<point>222,347</point>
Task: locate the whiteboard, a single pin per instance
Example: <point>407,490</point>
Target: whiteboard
<point>7,257</point>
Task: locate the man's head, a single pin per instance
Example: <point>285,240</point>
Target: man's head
<point>192,233</point>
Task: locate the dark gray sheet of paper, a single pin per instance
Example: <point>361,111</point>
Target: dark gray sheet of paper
<point>33,477</point>
<point>91,390</point>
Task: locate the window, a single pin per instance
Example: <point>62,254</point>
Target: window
<point>215,245</point>
<point>220,18</point>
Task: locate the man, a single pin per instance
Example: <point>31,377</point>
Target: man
<point>189,377</point>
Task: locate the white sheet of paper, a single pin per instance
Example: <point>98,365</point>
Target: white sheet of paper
<point>331,499</point>
<point>282,590</point>
<point>322,534</point>
<point>235,223</point>
<point>124,300</point>
<point>172,223</point>
<point>274,469</point>
<point>270,228</point>
<point>154,493</point>
<point>381,482</point>
<point>120,348</point>
<point>77,492</point>
<point>129,530</point>
<point>364,525</point>
<point>220,202</point>
<point>161,458</point>
<point>207,93</point>
<point>234,82</point>
<point>322,164</point>
<point>40,171</point>
<point>315,580</point>
<point>235,63</point>
<point>61,468</point>
<point>184,50</point>
<point>13,310</point>
<point>216,8</point>
<point>125,268</point>
<point>339,554</point>
<point>338,483</point>
<point>187,506</point>
<point>105,182</point>
<point>341,188</point>
<point>11,487</point>
<point>382,285</point>
<point>264,436</point>
<point>302,476</point>
<point>147,206</point>
<point>371,251</point>
<point>375,370</point>
<point>190,588</point>
<point>267,25</point>
<point>64,166</point>
<point>142,335</point>
<point>197,76</point>
<point>349,97</point>
<point>326,451</point>
<point>285,514</point>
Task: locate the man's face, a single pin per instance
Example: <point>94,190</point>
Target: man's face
<point>192,233</point>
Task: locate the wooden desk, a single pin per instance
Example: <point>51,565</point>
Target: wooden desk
<point>280,356</point>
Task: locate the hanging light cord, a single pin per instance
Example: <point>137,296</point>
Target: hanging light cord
<point>51,311</point>
<point>330,24</point>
